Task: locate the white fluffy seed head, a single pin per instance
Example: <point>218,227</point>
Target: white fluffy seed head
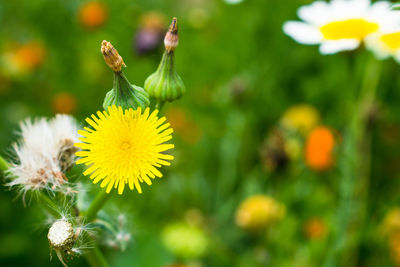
<point>46,151</point>
<point>61,234</point>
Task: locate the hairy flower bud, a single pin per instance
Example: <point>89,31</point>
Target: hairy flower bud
<point>165,84</point>
<point>111,56</point>
<point>171,39</point>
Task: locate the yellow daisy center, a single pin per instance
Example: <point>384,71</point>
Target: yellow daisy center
<point>348,29</point>
<point>124,147</point>
<point>391,40</point>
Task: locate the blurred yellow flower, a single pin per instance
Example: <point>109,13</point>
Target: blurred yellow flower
<point>319,149</point>
<point>340,25</point>
<point>185,240</point>
<point>93,14</point>
<point>293,147</point>
<point>391,222</point>
<point>153,20</point>
<point>258,212</point>
<point>302,118</point>
<point>124,147</point>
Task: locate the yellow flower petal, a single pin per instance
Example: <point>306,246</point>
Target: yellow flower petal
<point>124,147</point>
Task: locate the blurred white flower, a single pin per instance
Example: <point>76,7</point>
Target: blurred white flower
<point>340,25</point>
<point>233,2</point>
<point>44,153</point>
<point>385,44</point>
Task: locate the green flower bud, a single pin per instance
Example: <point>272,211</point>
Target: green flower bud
<point>165,84</point>
<point>123,93</point>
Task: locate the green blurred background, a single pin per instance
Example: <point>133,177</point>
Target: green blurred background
<point>241,73</point>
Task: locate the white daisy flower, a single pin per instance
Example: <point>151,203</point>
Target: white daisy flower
<point>233,2</point>
<point>385,44</point>
<point>340,25</point>
<point>44,153</point>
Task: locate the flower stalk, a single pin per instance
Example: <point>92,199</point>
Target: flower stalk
<point>95,257</point>
<point>96,205</point>
<point>355,166</point>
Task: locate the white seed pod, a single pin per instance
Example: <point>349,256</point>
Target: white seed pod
<point>61,235</point>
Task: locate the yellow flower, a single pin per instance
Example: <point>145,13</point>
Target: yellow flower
<point>124,147</point>
<point>258,212</point>
<point>301,118</point>
<point>391,222</point>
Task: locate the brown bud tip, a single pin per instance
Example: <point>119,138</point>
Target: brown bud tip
<point>171,39</point>
<point>111,56</point>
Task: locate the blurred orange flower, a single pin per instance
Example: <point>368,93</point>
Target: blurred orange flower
<point>24,58</point>
<point>93,14</point>
<point>315,228</point>
<point>64,102</point>
<point>319,149</point>
<point>30,55</point>
<point>183,126</point>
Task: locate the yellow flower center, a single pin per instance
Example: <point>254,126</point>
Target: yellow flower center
<point>348,29</point>
<point>391,40</point>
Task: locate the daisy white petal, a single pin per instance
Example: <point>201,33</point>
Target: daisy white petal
<point>333,47</point>
<point>316,13</point>
<point>302,32</point>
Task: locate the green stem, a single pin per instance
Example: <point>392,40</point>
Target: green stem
<point>96,205</point>
<point>48,204</point>
<point>159,105</point>
<point>354,164</point>
<point>95,257</point>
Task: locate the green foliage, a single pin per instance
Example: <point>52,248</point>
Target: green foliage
<point>241,73</point>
